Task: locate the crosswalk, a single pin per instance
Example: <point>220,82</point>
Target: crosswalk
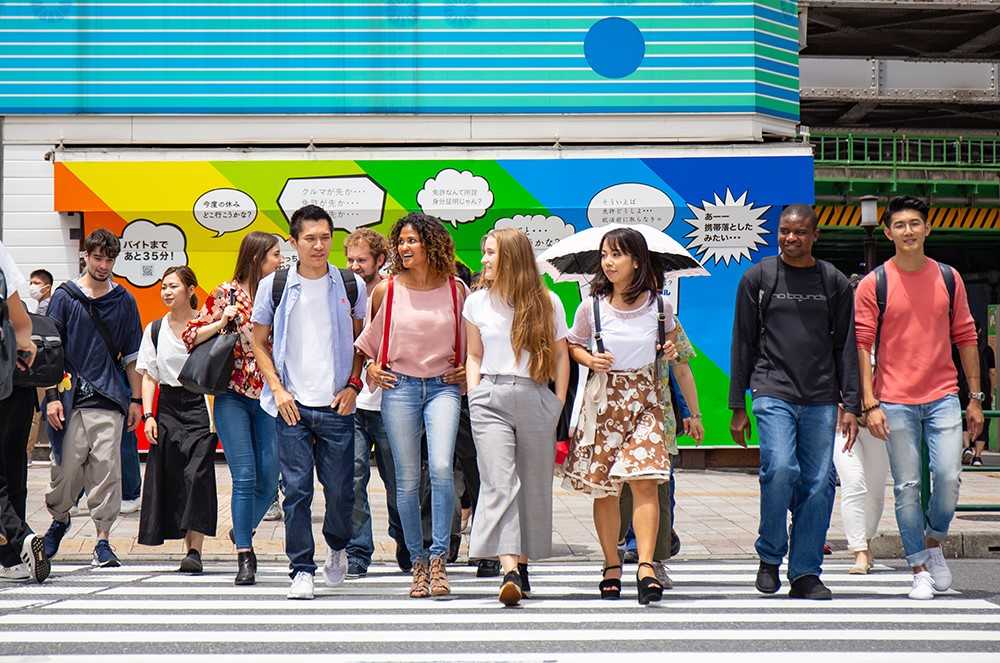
<point>149,612</point>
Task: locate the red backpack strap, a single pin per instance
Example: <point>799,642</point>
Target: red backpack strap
<point>458,328</point>
<point>383,354</point>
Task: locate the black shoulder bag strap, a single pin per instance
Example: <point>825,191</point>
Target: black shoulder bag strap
<point>598,341</point>
<point>154,333</point>
<point>661,325</point>
<point>102,328</point>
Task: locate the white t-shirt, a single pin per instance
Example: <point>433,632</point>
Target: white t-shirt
<point>15,279</point>
<point>164,362</point>
<point>630,336</point>
<point>309,345</point>
<point>494,320</point>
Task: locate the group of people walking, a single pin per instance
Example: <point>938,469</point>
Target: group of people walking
<point>329,364</point>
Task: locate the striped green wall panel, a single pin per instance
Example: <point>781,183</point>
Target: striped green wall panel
<point>367,56</point>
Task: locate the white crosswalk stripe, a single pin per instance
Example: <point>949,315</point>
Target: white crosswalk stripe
<point>149,611</point>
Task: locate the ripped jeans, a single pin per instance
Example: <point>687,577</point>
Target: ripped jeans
<point>940,424</point>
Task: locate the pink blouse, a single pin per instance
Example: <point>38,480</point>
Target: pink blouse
<point>421,330</point>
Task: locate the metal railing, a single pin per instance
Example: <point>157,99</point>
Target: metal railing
<point>925,474</point>
<point>907,151</point>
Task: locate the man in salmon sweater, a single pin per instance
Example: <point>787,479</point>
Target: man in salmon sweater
<point>914,393</point>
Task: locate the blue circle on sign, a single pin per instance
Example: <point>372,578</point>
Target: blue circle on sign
<point>614,47</point>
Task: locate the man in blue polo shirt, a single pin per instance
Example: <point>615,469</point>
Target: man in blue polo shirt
<point>312,379</point>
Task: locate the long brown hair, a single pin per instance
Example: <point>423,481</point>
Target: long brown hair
<point>516,282</point>
<point>253,249</point>
<point>186,276</point>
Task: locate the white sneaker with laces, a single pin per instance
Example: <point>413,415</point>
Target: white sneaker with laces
<point>923,587</point>
<point>274,512</point>
<point>335,568</point>
<point>129,506</point>
<point>938,569</point>
<point>302,587</point>
<point>15,573</point>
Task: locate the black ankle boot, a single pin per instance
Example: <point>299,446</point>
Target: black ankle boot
<point>522,569</point>
<point>253,561</point>
<point>245,574</point>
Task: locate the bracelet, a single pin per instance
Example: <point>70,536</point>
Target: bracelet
<point>869,409</point>
<point>137,401</point>
<point>695,416</point>
<point>354,383</point>
<point>146,416</point>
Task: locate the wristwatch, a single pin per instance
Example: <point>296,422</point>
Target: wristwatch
<point>137,401</point>
<point>977,396</point>
<point>146,416</point>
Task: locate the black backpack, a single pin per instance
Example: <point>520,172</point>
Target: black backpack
<point>281,277</point>
<point>882,298</point>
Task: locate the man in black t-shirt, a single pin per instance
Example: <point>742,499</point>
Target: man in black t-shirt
<point>794,348</point>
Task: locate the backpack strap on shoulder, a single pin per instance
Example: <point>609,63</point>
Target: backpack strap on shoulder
<point>881,299</point>
<point>598,341</point>
<point>768,284</point>
<point>826,278</point>
<point>949,283</point>
<point>278,287</point>
<point>350,285</point>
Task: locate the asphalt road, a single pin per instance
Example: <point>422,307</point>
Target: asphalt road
<point>148,612</point>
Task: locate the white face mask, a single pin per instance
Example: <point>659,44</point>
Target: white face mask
<point>35,290</point>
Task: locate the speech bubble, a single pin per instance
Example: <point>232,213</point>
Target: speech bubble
<point>352,201</point>
<point>727,229</point>
<point>543,231</point>
<point>289,256</point>
<point>458,197</point>
<point>630,204</point>
<point>224,210</point>
<point>148,249</point>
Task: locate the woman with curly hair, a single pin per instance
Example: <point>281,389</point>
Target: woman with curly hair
<point>416,341</point>
<point>517,344</point>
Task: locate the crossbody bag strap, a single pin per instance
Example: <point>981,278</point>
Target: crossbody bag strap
<point>598,341</point>
<point>458,329</point>
<point>102,328</point>
<point>386,321</point>
<point>661,325</point>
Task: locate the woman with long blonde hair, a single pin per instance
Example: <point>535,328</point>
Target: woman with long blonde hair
<point>516,333</point>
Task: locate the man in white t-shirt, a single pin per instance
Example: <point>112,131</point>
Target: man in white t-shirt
<point>312,378</point>
<point>22,554</point>
<point>367,252</point>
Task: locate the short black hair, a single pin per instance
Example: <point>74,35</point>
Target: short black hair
<point>102,240</point>
<point>44,275</point>
<point>308,213</point>
<point>463,273</point>
<point>900,203</point>
<point>800,211</point>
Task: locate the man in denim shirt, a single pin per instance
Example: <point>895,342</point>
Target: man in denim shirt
<point>311,383</point>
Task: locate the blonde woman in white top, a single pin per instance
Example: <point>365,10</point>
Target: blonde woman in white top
<point>179,498</point>
<point>516,333</point>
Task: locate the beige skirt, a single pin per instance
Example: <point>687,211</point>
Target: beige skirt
<point>620,435</point>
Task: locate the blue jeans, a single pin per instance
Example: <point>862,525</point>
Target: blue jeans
<point>369,431</point>
<point>131,475</point>
<point>796,462</point>
<point>247,434</point>
<point>940,424</point>
<point>409,408</point>
<point>321,444</point>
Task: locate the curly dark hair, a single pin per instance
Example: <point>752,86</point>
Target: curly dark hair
<point>437,243</point>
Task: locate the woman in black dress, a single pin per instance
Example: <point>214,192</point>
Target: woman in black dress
<point>179,500</point>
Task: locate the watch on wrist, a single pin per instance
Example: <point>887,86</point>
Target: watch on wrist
<point>977,396</point>
<point>146,416</point>
<point>137,401</point>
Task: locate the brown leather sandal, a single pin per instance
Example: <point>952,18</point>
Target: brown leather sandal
<point>420,585</point>
<point>439,578</point>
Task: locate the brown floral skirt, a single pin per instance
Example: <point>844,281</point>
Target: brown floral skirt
<point>620,435</point>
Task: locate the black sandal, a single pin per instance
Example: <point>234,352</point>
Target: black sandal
<point>650,589</point>
<point>611,588</point>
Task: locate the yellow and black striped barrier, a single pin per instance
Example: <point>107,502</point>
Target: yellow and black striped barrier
<point>969,218</point>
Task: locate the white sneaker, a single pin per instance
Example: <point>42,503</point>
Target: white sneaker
<point>79,508</point>
<point>938,569</point>
<point>15,573</point>
<point>129,506</point>
<point>923,587</point>
<point>302,587</point>
<point>335,568</point>
<point>33,558</point>
<point>274,512</point>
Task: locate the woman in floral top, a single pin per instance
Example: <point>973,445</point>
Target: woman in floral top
<point>246,431</point>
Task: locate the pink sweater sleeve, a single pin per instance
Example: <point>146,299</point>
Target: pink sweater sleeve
<point>963,327</point>
<point>865,313</point>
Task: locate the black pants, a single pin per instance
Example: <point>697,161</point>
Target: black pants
<point>16,412</point>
